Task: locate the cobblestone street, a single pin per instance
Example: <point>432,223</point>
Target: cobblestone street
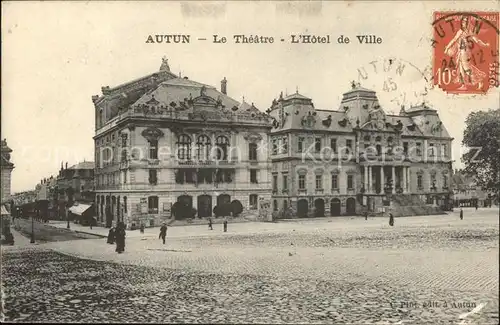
<point>425,270</point>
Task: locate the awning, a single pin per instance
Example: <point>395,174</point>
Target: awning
<point>4,211</point>
<point>79,209</point>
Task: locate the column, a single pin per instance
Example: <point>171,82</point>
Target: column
<point>366,178</point>
<point>382,179</point>
<point>404,185</point>
<point>393,170</point>
<point>369,179</point>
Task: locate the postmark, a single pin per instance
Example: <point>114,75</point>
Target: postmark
<point>465,51</point>
<point>398,82</point>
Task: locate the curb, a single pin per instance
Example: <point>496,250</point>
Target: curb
<point>89,233</point>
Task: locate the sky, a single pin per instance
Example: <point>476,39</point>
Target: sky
<point>56,55</point>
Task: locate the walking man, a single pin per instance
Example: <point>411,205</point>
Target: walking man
<point>366,215</point>
<point>210,224</point>
<point>461,214</point>
<point>391,220</point>
<point>225,225</point>
<point>163,233</point>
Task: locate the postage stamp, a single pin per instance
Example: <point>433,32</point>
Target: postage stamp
<point>466,51</point>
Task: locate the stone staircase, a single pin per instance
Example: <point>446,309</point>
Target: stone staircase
<point>405,205</point>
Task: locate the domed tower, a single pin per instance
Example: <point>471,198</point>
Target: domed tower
<point>7,166</point>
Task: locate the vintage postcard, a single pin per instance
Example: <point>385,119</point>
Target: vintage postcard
<point>333,162</point>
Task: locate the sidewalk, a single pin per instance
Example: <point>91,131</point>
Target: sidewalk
<point>99,231</point>
<point>20,241</point>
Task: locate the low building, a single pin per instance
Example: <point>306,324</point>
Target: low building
<point>74,185</point>
<point>466,192</point>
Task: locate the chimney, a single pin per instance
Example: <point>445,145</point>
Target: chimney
<point>223,86</point>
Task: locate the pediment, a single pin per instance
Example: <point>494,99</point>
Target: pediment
<point>152,133</point>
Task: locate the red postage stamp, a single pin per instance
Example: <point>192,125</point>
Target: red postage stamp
<point>465,51</point>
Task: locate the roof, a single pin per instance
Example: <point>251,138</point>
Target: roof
<point>418,108</point>
<point>79,209</point>
<point>178,90</point>
<point>84,165</point>
<point>296,95</point>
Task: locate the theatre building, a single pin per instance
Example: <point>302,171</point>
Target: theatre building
<point>163,139</point>
<point>358,158</point>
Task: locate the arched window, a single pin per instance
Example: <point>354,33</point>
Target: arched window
<point>275,205</point>
<point>222,144</point>
<point>378,139</point>
<point>203,146</point>
<point>367,138</point>
<point>184,147</point>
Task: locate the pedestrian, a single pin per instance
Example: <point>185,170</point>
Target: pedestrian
<point>91,222</point>
<point>142,228</point>
<point>391,220</point>
<point>461,214</point>
<point>111,236</point>
<point>366,215</point>
<point>476,206</point>
<point>163,233</point>
<point>120,237</point>
<point>225,225</point>
<point>210,224</point>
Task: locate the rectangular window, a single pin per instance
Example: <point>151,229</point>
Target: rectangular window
<point>319,182</point>
<point>433,181</point>
<point>350,182</point>
<point>253,176</point>
<point>153,176</point>
<point>333,145</point>
<point>317,144</point>
<point>419,182</point>
<point>419,149</point>
<point>153,149</point>
<point>445,181</point>
<point>252,151</point>
<point>275,183</point>
<point>275,146</point>
<point>444,150</point>
<point>125,176</point>
<point>285,182</point>
<point>431,150</point>
<point>300,147</point>
<point>348,144</point>
<point>285,145</point>
<point>253,201</point>
<point>335,182</point>
<point>153,204</point>
<point>405,148</point>
<point>302,182</point>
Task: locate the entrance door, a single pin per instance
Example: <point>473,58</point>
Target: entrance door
<point>302,208</point>
<point>204,206</point>
<point>351,206</point>
<point>319,208</point>
<point>335,208</point>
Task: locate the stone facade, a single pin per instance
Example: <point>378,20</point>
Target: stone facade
<point>357,158</point>
<point>6,171</point>
<point>163,139</point>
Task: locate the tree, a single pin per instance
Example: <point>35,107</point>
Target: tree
<point>482,137</point>
<point>236,207</point>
